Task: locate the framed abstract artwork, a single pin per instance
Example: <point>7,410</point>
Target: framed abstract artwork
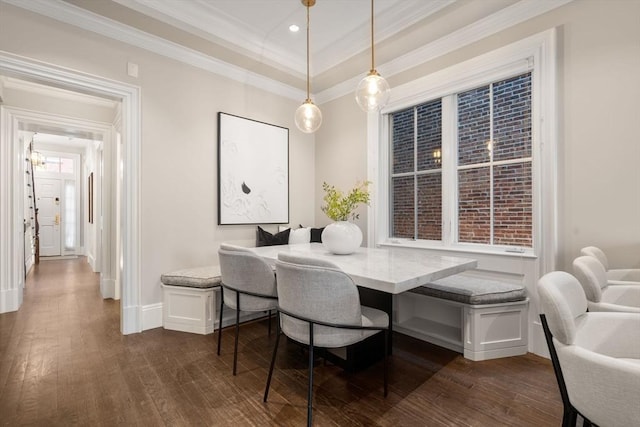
<point>253,171</point>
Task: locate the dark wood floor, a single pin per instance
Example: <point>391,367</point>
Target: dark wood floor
<point>64,362</point>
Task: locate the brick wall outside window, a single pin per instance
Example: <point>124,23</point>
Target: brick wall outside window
<point>494,191</point>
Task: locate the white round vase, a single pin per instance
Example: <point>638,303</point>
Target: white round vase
<point>342,237</point>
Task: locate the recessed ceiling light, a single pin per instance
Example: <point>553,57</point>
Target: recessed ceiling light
<point>294,28</point>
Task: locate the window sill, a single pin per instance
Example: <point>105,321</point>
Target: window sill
<point>415,244</point>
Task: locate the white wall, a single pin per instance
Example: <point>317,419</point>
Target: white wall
<point>179,140</point>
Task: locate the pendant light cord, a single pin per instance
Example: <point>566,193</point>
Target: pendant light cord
<point>372,44</point>
<point>308,85</point>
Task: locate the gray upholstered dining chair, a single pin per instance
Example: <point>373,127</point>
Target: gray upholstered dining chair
<point>600,295</point>
<point>595,355</point>
<point>248,284</point>
<point>319,306</point>
<point>615,276</point>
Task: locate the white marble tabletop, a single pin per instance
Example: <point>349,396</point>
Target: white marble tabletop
<point>392,270</point>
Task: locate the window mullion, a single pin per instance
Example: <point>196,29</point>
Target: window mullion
<point>491,216</point>
<point>415,173</point>
<point>449,172</point>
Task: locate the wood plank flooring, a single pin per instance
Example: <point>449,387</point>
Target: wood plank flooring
<point>64,362</point>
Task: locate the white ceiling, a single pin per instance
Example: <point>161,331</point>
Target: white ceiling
<point>339,29</point>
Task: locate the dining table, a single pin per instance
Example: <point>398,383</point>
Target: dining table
<point>379,273</point>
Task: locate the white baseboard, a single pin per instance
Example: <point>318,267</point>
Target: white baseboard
<point>29,264</point>
<point>152,316</point>
<point>107,288</point>
<point>10,300</point>
<point>92,262</point>
<point>132,325</point>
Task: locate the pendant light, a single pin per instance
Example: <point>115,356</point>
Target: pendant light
<point>373,91</point>
<point>308,116</point>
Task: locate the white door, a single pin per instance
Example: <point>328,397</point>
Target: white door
<point>48,205</point>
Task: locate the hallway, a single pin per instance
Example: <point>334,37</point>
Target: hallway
<point>64,362</point>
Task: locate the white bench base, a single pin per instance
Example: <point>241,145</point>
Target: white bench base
<point>197,310</point>
<point>189,309</point>
<point>480,332</point>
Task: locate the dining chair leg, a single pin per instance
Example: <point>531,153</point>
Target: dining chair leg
<point>220,322</point>
<point>569,418</point>
<point>310,392</point>
<point>269,322</point>
<point>385,367</point>
<point>273,359</point>
<point>235,348</point>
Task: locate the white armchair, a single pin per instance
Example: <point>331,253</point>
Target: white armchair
<point>616,276</point>
<point>601,296</point>
<point>596,356</point>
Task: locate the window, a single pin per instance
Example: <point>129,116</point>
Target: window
<point>491,166</point>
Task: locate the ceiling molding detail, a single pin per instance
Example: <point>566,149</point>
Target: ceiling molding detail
<point>386,25</point>
<point>81,18</point>
<point>499,21</point>
<point>213,21</point>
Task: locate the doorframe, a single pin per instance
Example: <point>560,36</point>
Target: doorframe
<point>11,270</point>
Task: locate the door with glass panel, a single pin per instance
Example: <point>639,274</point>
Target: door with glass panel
<point>48,203</point>
<point>57,204</point>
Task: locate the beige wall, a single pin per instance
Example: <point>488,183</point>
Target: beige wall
<point>599,132</point>
<point>179,140</point>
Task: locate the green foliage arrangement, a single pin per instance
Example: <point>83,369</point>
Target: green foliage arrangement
<point>340,207</point>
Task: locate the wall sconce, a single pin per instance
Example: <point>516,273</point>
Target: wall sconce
<point>37,159</point>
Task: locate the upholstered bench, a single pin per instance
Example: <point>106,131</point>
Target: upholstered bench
<point>479,317</point>
<point>189,299</point>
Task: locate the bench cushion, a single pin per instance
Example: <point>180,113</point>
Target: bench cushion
<point>472,290</point>
<point>200,277</point>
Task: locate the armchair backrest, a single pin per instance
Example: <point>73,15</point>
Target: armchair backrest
<point>243,270</point>
<point>596,253</point>
<point>592,276</point>
<point>317,290</point>
<point>562,300</point>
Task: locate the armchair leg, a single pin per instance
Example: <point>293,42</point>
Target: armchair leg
<point>220,322</point>
<point>273,359</point>
<point>235,349</point>
<point>310,392</point>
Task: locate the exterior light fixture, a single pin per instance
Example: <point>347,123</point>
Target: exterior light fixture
<point>308,116</point>
<point>373,91</point>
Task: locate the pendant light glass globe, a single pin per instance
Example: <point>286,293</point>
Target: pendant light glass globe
<point>372,92</point>
<point>308,117</point>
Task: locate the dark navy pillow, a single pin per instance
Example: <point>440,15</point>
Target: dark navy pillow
<point>316,235</point>
<point>264,238</point>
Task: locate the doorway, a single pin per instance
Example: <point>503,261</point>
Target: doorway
<point>11,223</point>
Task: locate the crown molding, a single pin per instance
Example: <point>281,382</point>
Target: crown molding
<point>189,16</point>
<point>390,22</point>
<point>499,21</point>
<point>81,18</point>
